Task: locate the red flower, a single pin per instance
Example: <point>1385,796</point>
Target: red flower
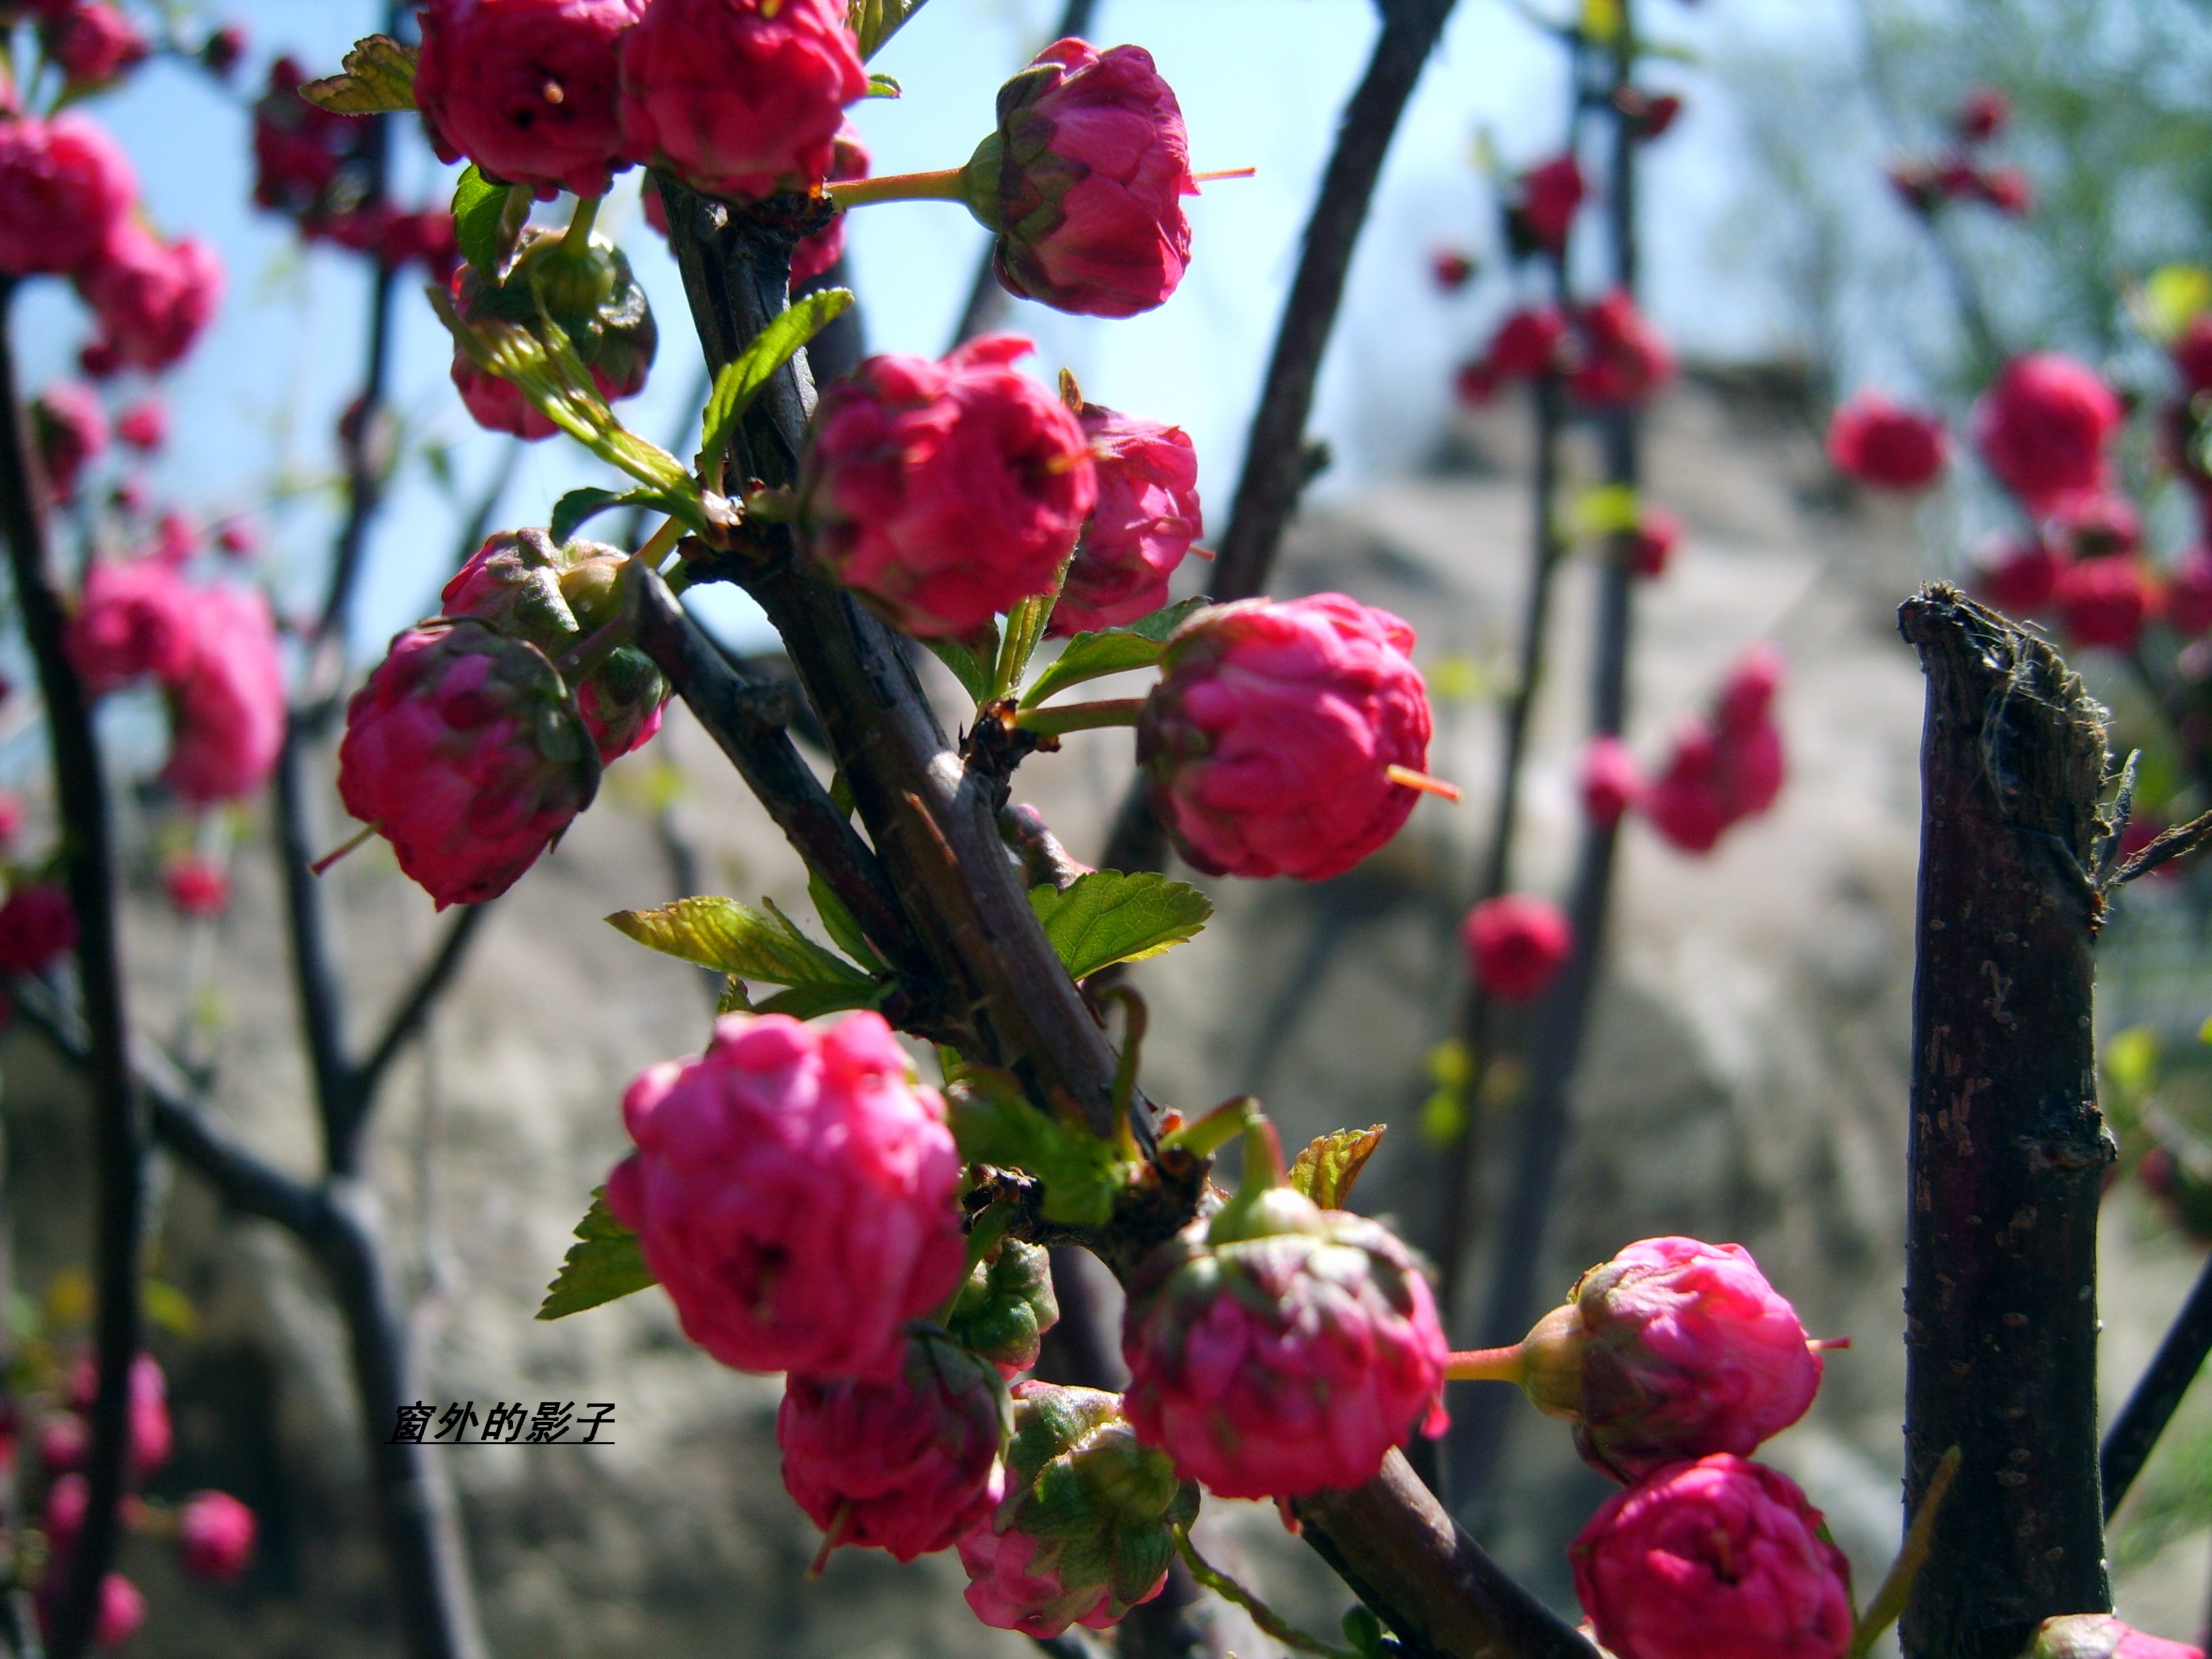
<point>65,191</point>
<point>1725,768</point>
<point>145,424</point>
<point>946,491</point>
<point>198,887</point>
<point>1611,780</point>
<point>1550,196</point>
<point>1084,182</point>
<point>1516,946</point>
<point>92,42</point>
<point>2043,428</point>
<point>1624,360</point>
<point>1651,544</point>
<point>2105,601</point>
<point>37,923</point>
<point>1981,115</point>
<point>2098,526</point>
<point>739,98</point>
<point>1874,441</point>
<point>1147,519</point>
<point>526,89</point>
<point>1527,343</point>
<point>153,298</point>
<point>2019,580</point>
<point>2007,189</point>
<point>135,618</point>
<point>1649,116</point>
<point>299,148</point>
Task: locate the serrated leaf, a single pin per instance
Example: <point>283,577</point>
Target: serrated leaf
<point>884,86</point>
<point>874,21</point>
<point>742,378</point>
<point>735,938</point>
<point>1112,651</point>
<point>970,667</point>
<point>844,928</point>
<point>378,79</point>
<point>603,1265</point>
<point>1324,1172</point>
<point>992,1123</point>
<point>1112,915</point>
<point>487,220</point>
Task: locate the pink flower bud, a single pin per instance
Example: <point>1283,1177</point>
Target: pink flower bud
<point>2104,602</point>
<point>2187,602</point>
<point>906,1464</point>
<point>794,1190</point>
<point>145,424</point>
<point>198,887</point>
<point>1527,344</point>
<point>1084,182</point>
<point>946,492</point>
<point>92,42</point>
<point>1087,1527</point>
<point>1876,442</point>
<point>1726,769</point>
<point>66,190</point>
<point>739,98</point>
<point>122,1612</point>
<point>1451,269</point>
<point>69,430</point>
<point>1550,196</point>
<point>2020,580</point>
<point>135,618</point>
<point>67,1500</point>
<point>1623,360</point>
<point>1981,115</point>
<point>1280,1349</point>
<point>223,50</point>
<point>1516,946</point>
<point>466,752</point>
<point>1717,1559</point>
<point>11,827</point>
<point>1746,697</point>
<point>38,926</point>
<point>1612,782</point>
<point>1650,545</point>
<point>526,89</point>
<point>814,254</point>
<point>63,1441</point>
<point>2007,189</point>
<point>214,1536</point>
<point>299,148</point>
<point>2101,1636</point>
<point>1147,519</point>
<point>237,538</point>
<point>1269,738</point>
<point>228,707</point>
<point>153,298</point>
<point>1006,1307</point>
<point>2043,428</point>
<point>152,1437</point>
<point>2099,526</point>
<point>1671,1350</point>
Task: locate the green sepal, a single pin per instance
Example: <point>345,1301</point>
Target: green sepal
<point>604,1264</point>
<point>1324,1172</point>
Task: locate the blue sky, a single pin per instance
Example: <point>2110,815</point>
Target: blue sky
<point>1261,81</point>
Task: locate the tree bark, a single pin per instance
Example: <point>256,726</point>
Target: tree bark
<point>2007,1147</point>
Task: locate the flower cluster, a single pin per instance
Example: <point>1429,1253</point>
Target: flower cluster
<point>1962,172</point>
<point>1607,353</point>
<point>1874,442</point>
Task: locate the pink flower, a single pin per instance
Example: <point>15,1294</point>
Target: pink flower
<point>1269,740</point>
<point>1874,441</point>
<point>739,98</point>
<point>1451,268</point>
<point>2105,601</point>
<point>2043,428</point>
<point>2187,602</point>
<point>1726,769</point>
<point>1551,196</point>
<point>947,491</point>
<point>814,254</point>
<point>11,826</point>
<point>2096,526</point>
<point>793,1189</point>
<point>2007,189</point>
<point>92,42</point>
<point>65,190</point>
<point>69,430</point>
<point>1611,780</point>
<point>135,618</point>
<point>1527,344</point>
<point>299,148</point>
<point>122,1612</point>
<point>2101,1636</point>
<point>1147,519</point>
<point>526,89</point>
<point>67,1500</point>
<point>152,1437</point>
<point>906,1464</point>
<point>1087,1526</point>
<point>1982,114</point>
<point>153,298</point>
<point>466,752</point>
<point>229,706</point>
<point>63,1441</point>
<point>1280,1349</point>
<point>2021,579</point>
<point>1720,1559</point>
<point>214,1536</point>
<point>1084,182</point>
<point>1623,360</point>
<point>1516,946</point>
<point>145,424</point>
<point>198,887</point>
<point>1651,544</point>
<point>237,536</point>
<point>1671,1350</point>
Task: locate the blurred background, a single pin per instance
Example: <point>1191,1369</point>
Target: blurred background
<point>1746,1074</point>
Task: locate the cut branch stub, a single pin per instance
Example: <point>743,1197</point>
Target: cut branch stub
<point>2008,1148</point>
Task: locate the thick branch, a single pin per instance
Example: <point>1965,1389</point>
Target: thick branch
<point>2007,1147</point>
<point>117,1136</point>
<point>2158,1393</point>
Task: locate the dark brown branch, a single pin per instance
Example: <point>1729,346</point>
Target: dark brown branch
<point>315,980</point>
<point>2007,1148</point>
<point>414,1007</point>
<point>117,1137</point>
<point>2157,1393</point>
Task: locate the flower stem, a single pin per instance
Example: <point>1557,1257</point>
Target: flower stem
<point>1080,716</point>
<point>661,543</point>
<point>1271,1622</point>
<point>576,240</point>
<point>943,186</point>
<point>333,856</point>
<point>1485,1365</point>
<point>1216,1129</point>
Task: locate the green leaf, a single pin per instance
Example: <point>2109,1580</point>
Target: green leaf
<point>379,78</point>
<point>844,927</point>
<point>573,509</point>
<point>993,1123</point>
<point>734,939</point>
<point>874,21</point>
<point>1109,916</point>
<point>1026,625</point>
<point>603,1265</point>
<point>488,220</point>
<point>1112,651</point>
<point>742,378</point>
<point>884,86</point>
<point>812,1001</point>
<point>970,665</point>
<point>1324,1172</point>
<point>169,1309</point>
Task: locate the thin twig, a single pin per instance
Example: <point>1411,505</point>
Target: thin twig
<point>1270,1622</point>
<point>2174,843</point>
<point>414,1007</point>
<point>117,1139</point>
<point>2158,1393</point>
